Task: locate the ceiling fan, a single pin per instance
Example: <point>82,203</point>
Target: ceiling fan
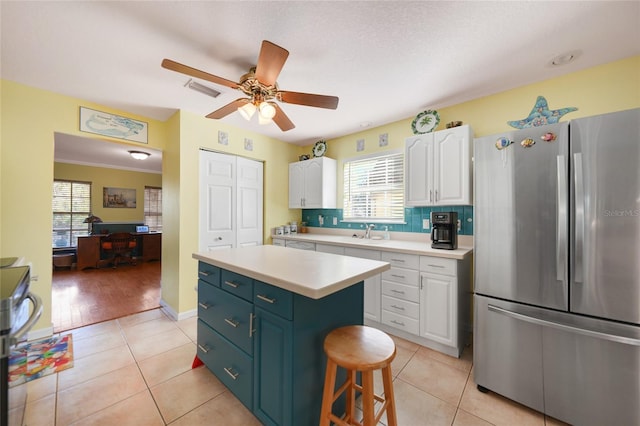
<point>260,85</point>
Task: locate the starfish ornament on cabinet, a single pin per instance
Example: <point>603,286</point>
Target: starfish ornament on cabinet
<point>541,115</point>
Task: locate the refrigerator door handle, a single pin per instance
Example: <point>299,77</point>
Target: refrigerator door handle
<point>565,327</point>
<point>561,221</point>
<point>579,217</point>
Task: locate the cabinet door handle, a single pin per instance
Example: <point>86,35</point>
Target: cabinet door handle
<point>436,195</point>
<point>397,260</point>
<point>398,276</point>
<point>397,291</point>
<point>251,329</point>
<point>204,305</point>
<point>431,195</point>
<point>231,322</point>
<point>203,349</point>
<point>436,266</point>
<point>219,238</point>
<point>397,307</point>
<point>398,322</point>
<point>231,284</point>
<point>266,299</point>
<point>203,273</point>
<point>230,372</point>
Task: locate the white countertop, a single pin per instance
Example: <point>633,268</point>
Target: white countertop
<point>311,274</point>
<point>398,246</point>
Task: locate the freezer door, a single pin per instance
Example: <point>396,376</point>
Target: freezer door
<point>606,216</point>
<point>521,217</point>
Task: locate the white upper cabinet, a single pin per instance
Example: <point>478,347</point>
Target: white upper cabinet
<point>438,168</point>
<point>312,184</point>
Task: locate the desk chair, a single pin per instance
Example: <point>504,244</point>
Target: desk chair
<point>119,246</point>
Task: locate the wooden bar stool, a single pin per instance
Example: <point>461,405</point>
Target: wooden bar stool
<point>364,349</point>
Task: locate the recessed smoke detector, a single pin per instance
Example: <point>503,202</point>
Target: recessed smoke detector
<point>564,58</point>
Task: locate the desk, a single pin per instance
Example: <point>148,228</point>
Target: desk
<point>149,247</point>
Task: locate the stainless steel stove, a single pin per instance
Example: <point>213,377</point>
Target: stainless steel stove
<point>15,320</point>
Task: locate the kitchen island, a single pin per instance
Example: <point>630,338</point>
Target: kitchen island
<point>264,312</point>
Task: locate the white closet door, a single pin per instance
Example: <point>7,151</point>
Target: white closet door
<point>249,202</point>
<point>231,201</point>
<point>217,201</point>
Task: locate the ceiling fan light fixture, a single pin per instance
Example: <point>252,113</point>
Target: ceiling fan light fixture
<point>247,110</point>
<point>139,155</point>
<point>267,110</point>
<point>263,120</point>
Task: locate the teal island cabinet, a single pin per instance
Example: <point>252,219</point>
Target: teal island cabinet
<point>263,314</point>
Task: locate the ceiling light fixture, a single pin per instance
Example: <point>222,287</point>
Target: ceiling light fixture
<point>194,85</point>
<point>564,58</point>
<point>266,111</point>
<point>247,110</point>
<point>139,155</point>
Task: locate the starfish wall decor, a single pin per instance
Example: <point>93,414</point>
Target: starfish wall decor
<point>541,115</point>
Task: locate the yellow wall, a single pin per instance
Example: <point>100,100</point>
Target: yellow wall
<point>606,88</point>
<point>29,117</point>
<point>101,177</point>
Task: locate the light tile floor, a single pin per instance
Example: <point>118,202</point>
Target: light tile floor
<point>137,371</point>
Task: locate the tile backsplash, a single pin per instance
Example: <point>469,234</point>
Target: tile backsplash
<point>413,217</point>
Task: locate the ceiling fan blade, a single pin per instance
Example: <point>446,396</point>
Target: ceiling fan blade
<point>308,99</point>
<point>184,69</point>
<point>270,62</point>
<point>228,108</point>
<point>282,120</point>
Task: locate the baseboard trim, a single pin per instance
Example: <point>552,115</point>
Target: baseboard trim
<point>167,309</point>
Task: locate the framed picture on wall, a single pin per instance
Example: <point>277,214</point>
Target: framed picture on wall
<point>115,126</point>
<point>122,198</point>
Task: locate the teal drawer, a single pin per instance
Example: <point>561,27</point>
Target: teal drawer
<point>229,315</point>
<point>273,299</point>
<point>237,284</point>
<point>209,273</point>
<point>233,367</point>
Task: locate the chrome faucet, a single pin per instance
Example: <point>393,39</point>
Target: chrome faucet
<point>367,233</point>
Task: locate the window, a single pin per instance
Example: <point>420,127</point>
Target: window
<point>71,206</point>
<point>153,208</point>
<point>374,188</point>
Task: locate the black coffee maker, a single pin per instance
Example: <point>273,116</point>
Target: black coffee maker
<point>444,231</point>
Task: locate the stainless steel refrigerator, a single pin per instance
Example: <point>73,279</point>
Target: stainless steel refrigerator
<point>557,268</point>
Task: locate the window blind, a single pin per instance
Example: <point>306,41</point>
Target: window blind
<point>71,206</point>
<point>153,208</point>
<point>374,188</point>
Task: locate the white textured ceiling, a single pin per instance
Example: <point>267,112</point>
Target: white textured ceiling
<point>385,60</point>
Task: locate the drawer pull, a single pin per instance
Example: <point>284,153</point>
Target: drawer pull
<point>231,284</point>
<point>233,375</point>
<point>204,305</point>
<point>436,266</point>
<point>397,260</point>
<point>266,299</point>
<point>203,349</point>
<point>398,323</point>
<point>231,322</point>
<point>397,291</point>
<point>251,329</point>
<point>203,273</point>
<point>398,276</point>
<point>397,307</point>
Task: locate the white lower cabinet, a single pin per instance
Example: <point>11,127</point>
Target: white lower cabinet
<point>278,242</point>
<point>437,310</point>
<point>371,285</point>
<point>302,245</point>
<point>328,248</point>
<point>400,292</point>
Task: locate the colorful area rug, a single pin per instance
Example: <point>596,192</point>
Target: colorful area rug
<point>32,360</point>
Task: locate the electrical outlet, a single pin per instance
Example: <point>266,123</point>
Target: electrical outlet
<point>320,220</point>
<point>459,225</point>
<point>425,223</point>
<point>383,139</point>
<point>335,221</point>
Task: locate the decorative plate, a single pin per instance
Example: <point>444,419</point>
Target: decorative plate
<point>319,148</point>
<point>425,122</point>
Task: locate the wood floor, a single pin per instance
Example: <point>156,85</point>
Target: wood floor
<point>90,296</point>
